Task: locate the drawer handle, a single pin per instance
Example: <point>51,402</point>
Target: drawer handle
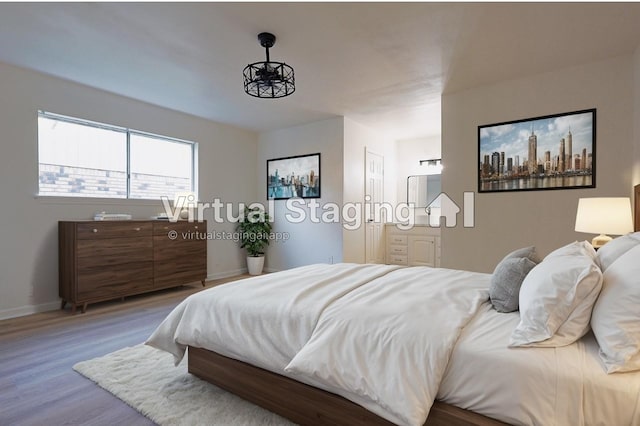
<point>136,229</point>
<point>166,227</point>
<point>95,230</point>
<point>196,227</point>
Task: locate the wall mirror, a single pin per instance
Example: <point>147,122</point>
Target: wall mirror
<point>423,189</point>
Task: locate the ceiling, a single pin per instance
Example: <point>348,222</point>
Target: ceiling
<point>382,64</point>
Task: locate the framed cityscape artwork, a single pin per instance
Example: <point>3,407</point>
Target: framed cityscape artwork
<point>551,152</point>
<point>293,177</point>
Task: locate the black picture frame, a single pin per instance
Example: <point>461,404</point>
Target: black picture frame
<point>564,146</point>
<point>297,176</point>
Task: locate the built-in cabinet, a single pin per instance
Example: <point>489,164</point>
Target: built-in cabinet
<point>418,246</point>
<point>109,260</point>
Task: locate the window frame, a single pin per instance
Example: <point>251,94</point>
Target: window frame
<point>128,132</point>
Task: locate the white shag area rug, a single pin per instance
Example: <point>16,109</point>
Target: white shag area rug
<point>146,379</point>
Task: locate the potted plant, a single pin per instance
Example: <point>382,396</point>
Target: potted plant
<point>254,228</point>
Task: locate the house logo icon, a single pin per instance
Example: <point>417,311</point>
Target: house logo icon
<point>443,209</point>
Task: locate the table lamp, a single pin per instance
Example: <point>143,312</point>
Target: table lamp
<point>605,215</point>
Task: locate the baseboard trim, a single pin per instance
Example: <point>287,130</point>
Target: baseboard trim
<point>226,274</point>
<point>28,310</point>
<point>271,270</point>
<point>52,306</point>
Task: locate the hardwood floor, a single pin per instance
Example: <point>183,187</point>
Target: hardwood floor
<point>37,384</point>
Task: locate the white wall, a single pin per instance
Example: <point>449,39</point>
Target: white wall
<point>505,221</point>
<point>358,139</point>
<point>409,152</point>
<point>28,231</point>
<point>308,242</point>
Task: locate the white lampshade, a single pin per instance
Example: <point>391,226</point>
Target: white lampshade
<point>607,215</point>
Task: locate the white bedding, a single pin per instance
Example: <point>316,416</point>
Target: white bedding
<point>565,386</point>
<point>263,320</point>
<point>392,338</point>
<point>386,345</point>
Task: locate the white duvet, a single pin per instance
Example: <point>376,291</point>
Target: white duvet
<point>263,320</point>
<point>386,345</point>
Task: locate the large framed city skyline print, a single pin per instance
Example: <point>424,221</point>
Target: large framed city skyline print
<point>550,152</point>
<point>293,177</point>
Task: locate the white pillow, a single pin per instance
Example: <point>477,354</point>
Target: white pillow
<point>616,315</point>
<point>616,248</point>
<point>557,297</point>
<point>577,248</point>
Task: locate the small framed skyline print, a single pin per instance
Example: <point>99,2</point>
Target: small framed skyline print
<point>293,177</point>
<point>551,152</point>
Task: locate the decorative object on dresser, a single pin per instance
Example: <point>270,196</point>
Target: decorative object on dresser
<point>418,246</point>
<point>107,260</point>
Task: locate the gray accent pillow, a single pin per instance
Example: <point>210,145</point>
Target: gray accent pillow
<point>528,252</point>
<point>507,278</point>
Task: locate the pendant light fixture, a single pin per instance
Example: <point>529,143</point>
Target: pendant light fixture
<point>268,79</point>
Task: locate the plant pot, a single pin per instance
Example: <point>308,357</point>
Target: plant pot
<point>255,264</point>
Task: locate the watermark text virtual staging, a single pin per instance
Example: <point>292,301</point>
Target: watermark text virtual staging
<point>352,215</point>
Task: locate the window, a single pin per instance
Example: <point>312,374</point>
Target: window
<point>80,158</point>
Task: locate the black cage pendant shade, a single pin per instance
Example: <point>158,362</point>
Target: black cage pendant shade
<point>268,79</point>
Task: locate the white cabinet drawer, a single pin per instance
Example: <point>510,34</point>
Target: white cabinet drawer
<point>397,259</point>
<point>419,246</point>
<point>394,249</point>
<point>397,239</point>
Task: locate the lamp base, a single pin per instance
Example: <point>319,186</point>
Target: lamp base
<point>600,240</point>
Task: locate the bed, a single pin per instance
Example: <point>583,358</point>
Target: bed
<point>294,342</point>
<point>259,325</point>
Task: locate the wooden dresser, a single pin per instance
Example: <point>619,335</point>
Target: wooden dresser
<point>112,259</point>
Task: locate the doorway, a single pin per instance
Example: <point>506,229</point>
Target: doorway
<point>374,196</point>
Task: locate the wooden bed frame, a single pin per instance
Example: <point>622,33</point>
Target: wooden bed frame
<point>304,404</point>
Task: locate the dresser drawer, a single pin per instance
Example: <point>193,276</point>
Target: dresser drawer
<point>165,249</point>
<point>396,259</point>
<point>99,282</point>
<point>99,230</point>
<point>395,249</point>
<point>180,272</point>
<point>397,239</point>
<point>126,248</point>
<point>163,228</point>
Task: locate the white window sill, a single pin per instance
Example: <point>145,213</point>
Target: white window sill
<point>93,201</point>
